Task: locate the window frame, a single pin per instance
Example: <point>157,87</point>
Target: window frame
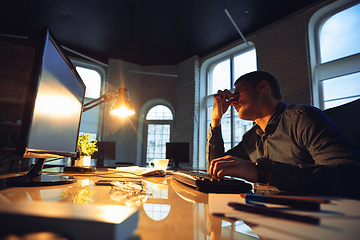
<point>205,99</point>
<point>143,127</point>
<point>154,122</point>
<point>95,112</point>
<point>332,69</point>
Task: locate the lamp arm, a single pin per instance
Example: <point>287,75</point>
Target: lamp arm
<point>96,102</point>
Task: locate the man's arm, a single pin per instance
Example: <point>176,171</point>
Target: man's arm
<point>336,168</point>
<point>215,143</point>
<point>222,101</point>
<point>234,162</point>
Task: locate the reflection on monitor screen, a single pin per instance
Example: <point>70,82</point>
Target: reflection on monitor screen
<point>52,115</point>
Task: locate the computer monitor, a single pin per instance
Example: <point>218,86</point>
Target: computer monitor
<point>178,152</point>
<point>106,151</point>
<point>52,113</point>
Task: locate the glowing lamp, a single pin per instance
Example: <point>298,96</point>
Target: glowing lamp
<point>121,107</point>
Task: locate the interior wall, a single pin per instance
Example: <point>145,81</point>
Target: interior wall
<point>145,83</point>
<point>186,127</point>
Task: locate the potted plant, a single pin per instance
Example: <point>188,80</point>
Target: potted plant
<point>86,147</point>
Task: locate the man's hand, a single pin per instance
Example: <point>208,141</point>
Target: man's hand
<point>222,101</point>
<point>235,167</point>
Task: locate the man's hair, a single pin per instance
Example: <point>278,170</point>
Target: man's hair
<point>254,78</point>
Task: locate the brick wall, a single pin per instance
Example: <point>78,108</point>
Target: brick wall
<point>186,121</point>
<point>16,62</point>
<point>145,83</point>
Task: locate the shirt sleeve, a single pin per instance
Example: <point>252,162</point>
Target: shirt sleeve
<point>215,147</point>
<point>336,168</point>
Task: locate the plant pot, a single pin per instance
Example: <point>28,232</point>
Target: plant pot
<point>83,161</point>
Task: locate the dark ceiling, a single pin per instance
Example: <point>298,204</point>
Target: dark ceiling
<point>145,32</point>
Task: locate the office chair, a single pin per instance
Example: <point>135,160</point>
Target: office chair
<point>346,118</point>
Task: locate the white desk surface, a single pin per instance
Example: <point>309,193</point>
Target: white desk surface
<point>171,210</point>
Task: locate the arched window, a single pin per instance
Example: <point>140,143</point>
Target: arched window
<point>158,123</point>
<point>222,75</point>
<point>334,45</point>
<point>218,73</point>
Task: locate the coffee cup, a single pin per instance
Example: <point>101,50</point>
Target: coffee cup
<point>159,164</point>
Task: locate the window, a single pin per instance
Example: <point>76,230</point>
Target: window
<point>92,80</point>
<point>222,75</point>
<point>92,75</point>
<point>158,125</point>
<point>334,45</point>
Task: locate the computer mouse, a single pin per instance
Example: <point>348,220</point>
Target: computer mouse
<point>153,173</point>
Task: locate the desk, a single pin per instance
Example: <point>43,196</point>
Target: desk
<point>173,211</point>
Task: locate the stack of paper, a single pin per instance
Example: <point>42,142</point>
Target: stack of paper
<point>136,170</point>
<point>339,219</point>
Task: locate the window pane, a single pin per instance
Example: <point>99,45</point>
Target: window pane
<point>225,126</point>
<point>92,81</point>
<point>244,63</point>
<point>158,136</point>
<point>241,126</point>
<point>159,112</point>
<point>341,87</point>
<point>209,112</point>
<point>220,77</point>
<point>226,129</point>
<point>335,103</point>
<point>340,35</point>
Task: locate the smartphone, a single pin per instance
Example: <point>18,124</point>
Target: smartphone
<point>103,182</point>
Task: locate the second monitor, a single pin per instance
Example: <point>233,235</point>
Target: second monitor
<point>178,152</point>
<point>106,151</point>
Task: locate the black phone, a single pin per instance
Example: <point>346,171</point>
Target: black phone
<point>103,182</point>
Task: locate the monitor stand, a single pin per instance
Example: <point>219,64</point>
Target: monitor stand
<point>35,178</point>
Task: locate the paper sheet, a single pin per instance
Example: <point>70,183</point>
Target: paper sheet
<point>339,219</point>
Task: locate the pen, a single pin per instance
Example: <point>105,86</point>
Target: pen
<point>273,213</point>
<point>295,203</point>
<point>319,200</point>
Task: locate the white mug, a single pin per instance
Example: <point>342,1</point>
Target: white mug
<point>159,164</point>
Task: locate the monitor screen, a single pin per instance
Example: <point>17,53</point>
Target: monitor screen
<point>52,114</point>
<point>106,151</point>
<point>178,152</point>
<point>53,110</point>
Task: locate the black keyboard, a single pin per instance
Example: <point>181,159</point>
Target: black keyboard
<point>205,182</point>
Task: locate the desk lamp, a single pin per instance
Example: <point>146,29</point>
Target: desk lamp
<point>121,107</point>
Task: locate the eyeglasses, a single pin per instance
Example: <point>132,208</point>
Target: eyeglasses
<point>128,186</point>
<point>130,193</point>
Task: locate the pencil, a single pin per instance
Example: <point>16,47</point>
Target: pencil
<point>294,203</point>
<point>319,200</point>
<point>273,213</point>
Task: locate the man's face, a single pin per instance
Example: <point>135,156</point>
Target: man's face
<point>247,101</point>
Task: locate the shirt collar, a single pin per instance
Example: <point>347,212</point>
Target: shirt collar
<point>273,121</point>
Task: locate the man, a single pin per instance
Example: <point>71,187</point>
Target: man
<point>295,148</point>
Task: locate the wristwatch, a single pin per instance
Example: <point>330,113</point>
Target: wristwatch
<point>264,167</point>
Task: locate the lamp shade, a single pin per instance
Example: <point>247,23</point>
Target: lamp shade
<point>122,106</point>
